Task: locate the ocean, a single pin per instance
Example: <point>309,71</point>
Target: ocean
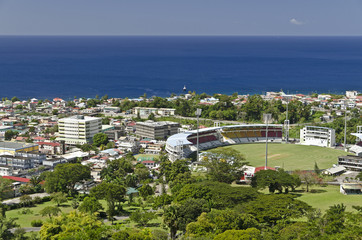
<point>129,66</point>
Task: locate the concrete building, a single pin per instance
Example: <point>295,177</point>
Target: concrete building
<point>145,111</point>
<point>353,163</point>
<point>16,147</point>
<point>6,171</point>
<point>156,130</point>
<point>79,129</point>
<point>317,136</point>
<point>351,94</point>
<point>16,162</point>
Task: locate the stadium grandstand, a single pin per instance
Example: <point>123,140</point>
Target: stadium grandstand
<point>181,145</point>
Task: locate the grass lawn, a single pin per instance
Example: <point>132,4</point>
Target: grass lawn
<point>324,197</point>
<point>289,156</point>
<point>24,220</point>
<point>146,156</point>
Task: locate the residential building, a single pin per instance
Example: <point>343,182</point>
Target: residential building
<point>145,111</point>
<point>156,130</point>
<point>38,158</point>
<point>6,170</point>
<point>52,162</point>
<point>317,136</point>
<point>79,129</point>
<point>50,148</point>
<point>351,94</point>
<point>16,161</point>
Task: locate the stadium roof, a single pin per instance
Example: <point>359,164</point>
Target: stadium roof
<point>359,135</point>
<point>179,139</point>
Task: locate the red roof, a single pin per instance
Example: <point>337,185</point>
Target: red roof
<point>148,161</point>
<point>49,144</point>
<point>21,138</point>
<point>257,169</point>
<point>39,138</point>
<point>57,99</point>
<point>17,179</point>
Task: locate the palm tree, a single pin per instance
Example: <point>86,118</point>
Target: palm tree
<point>35,180</point>
<point>170,218</point>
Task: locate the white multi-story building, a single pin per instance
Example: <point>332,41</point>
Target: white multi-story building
<point>317,136</point>
<point>351,94</point>
<point>79,129</point>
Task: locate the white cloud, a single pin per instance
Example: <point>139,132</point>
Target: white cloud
<point>296,22</point>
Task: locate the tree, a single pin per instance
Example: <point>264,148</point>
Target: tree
<point>170,219</point>
<point>275,180</point>
<point>5,187</point>
<point>219,221</point>
<point>162,201</point>
<point>50,211</point>
<point>219,195</point>
<point>118,168</point>
<point>131,180</point>
<point>59,198</point>
<point>5,227</point>
<point>90,205</point>
<point>86,147</point>
<point>269,209</point>
<point>172,170</point>
<point>75,225</point>
<point>250,233</point>
<point>142,173</point>
<point>113,193</point>
<point>224,165</point>
<point>142,217</point>
<point>316,169</point>
<point>9,134</point>
<point>99,139</point>
<point>65,176</point>
<point>15,99</point>
<point>19,107</point>
<point>145,191</point>
<point>25,200</point>
<point>308,178</point>
<point>35,181</point>
<point>151,117</point>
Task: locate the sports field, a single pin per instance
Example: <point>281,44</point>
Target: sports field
<point>289,156</point>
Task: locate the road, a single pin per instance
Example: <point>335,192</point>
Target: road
<point>17,200</point>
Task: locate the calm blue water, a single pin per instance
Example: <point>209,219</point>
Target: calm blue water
<point>47,67</point>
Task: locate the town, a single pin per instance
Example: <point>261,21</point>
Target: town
<point>152,148</point>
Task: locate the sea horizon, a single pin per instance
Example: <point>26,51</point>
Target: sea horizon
<point>158,65</point>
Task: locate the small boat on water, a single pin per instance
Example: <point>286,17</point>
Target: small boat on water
<point>184,89</point>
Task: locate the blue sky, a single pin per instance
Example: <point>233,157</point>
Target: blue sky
<point>183,17</point>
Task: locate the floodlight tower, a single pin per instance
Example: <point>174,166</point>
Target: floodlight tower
<point>286,122</point>
<point>198,114</point>
<point>267,117</point>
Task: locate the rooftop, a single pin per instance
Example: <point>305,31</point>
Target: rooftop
<point>15,145</point>
<point>157,124</point>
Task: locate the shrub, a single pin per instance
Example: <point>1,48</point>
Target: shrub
<point>25,211</point>
<point>36,223</point>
